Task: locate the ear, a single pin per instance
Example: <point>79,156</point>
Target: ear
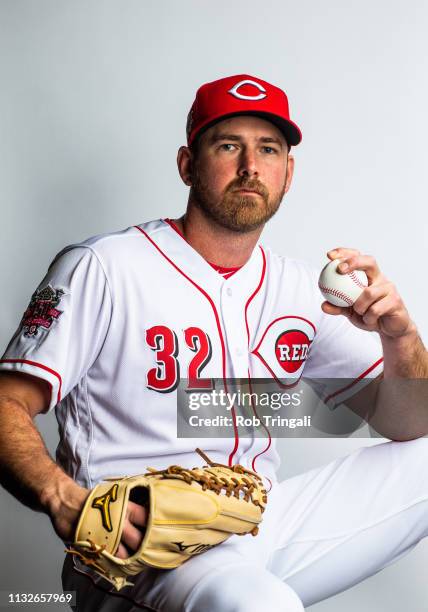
<point>184,164</point>
<point>290,172</point>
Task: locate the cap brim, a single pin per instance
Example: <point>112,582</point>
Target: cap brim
<point>291,132</point>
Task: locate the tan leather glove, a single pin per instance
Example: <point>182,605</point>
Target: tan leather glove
<point>189,512</point>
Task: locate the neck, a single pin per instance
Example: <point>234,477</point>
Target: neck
<point>214,243</point>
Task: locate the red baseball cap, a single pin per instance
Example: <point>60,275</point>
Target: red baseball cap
<point>241,94</point>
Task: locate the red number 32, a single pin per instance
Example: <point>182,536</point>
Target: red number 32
<point>165,376</point>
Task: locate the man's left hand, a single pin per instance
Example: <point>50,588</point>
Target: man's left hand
<point>379,307</point>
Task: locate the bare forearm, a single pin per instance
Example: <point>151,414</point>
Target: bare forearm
<point>401,411</point>
<point>26,468</point>
<point>28,472</point>
<point>405,357</point>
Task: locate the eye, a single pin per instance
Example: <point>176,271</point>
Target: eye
<point>269,150</point>
<point>227,146</point>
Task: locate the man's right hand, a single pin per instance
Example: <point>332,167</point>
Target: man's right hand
<point>64,502</point>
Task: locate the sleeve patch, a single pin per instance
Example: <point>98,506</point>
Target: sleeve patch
<point>42,310</point>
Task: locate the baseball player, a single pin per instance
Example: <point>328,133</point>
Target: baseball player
<point>121,318</point>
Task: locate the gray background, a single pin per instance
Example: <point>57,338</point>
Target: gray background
<point>93,102</point>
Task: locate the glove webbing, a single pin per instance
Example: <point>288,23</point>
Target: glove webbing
<point>214,482</point>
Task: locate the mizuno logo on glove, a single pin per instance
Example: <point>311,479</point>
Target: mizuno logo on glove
<point>103,504</point>
<point>193,549</point>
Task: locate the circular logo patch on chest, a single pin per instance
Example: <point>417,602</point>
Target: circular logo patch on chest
<point>285,347</point>
<point>291,349</point>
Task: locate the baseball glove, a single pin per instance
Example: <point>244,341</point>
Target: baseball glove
<point>189,512</point>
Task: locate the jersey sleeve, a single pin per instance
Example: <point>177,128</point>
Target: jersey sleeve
<point>342,359</point>
<point>65,324</point>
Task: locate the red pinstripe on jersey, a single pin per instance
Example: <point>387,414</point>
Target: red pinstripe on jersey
<point>217,320</point>
<point>354,382</point>
<point>43,367</point>
<point>250,299</point>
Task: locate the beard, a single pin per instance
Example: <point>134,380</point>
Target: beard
<point>235,211</point>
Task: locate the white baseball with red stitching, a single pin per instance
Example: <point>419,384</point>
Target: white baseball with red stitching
<point>341,289</point>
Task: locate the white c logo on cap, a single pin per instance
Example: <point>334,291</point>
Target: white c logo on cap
<point>260,96</point>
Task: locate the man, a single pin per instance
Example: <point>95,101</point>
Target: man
<point>119,319</point>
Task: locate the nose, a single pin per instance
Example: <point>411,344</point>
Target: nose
<point>248,163</point>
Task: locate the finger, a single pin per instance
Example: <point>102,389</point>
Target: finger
<point>385,306</point>
<point>137,514</point>
<point>371,295</point>
<point>130,540</point>
<point>131,536</point>
<point>121,552</point>
<point>341,252</point>
<point>367,263</point>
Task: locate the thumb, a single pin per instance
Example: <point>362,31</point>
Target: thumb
<point>331,309</point>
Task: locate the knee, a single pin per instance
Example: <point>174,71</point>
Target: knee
<point>243,589</point>
<point>412,451</point>
<point>410,459</point>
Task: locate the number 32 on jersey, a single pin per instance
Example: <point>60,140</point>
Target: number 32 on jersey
<point>165,343</point>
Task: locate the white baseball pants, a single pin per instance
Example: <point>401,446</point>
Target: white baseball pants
<point>322,532</point>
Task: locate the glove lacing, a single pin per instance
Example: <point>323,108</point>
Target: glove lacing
<point>216,483</point>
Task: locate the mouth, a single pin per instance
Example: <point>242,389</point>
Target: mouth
<point>247,192</point>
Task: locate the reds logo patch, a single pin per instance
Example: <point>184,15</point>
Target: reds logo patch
<point>291,349</point>
<point>284,347</point>
<point>41,311</point>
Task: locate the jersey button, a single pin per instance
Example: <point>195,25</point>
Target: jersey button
<point>229,291</point>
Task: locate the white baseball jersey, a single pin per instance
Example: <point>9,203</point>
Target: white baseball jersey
<point>120,318</point>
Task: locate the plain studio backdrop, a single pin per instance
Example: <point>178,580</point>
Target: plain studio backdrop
<point>93,103</point>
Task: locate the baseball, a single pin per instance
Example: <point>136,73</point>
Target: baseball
<point>341,289</point>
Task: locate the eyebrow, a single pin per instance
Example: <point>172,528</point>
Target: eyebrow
<point>236,138</point>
